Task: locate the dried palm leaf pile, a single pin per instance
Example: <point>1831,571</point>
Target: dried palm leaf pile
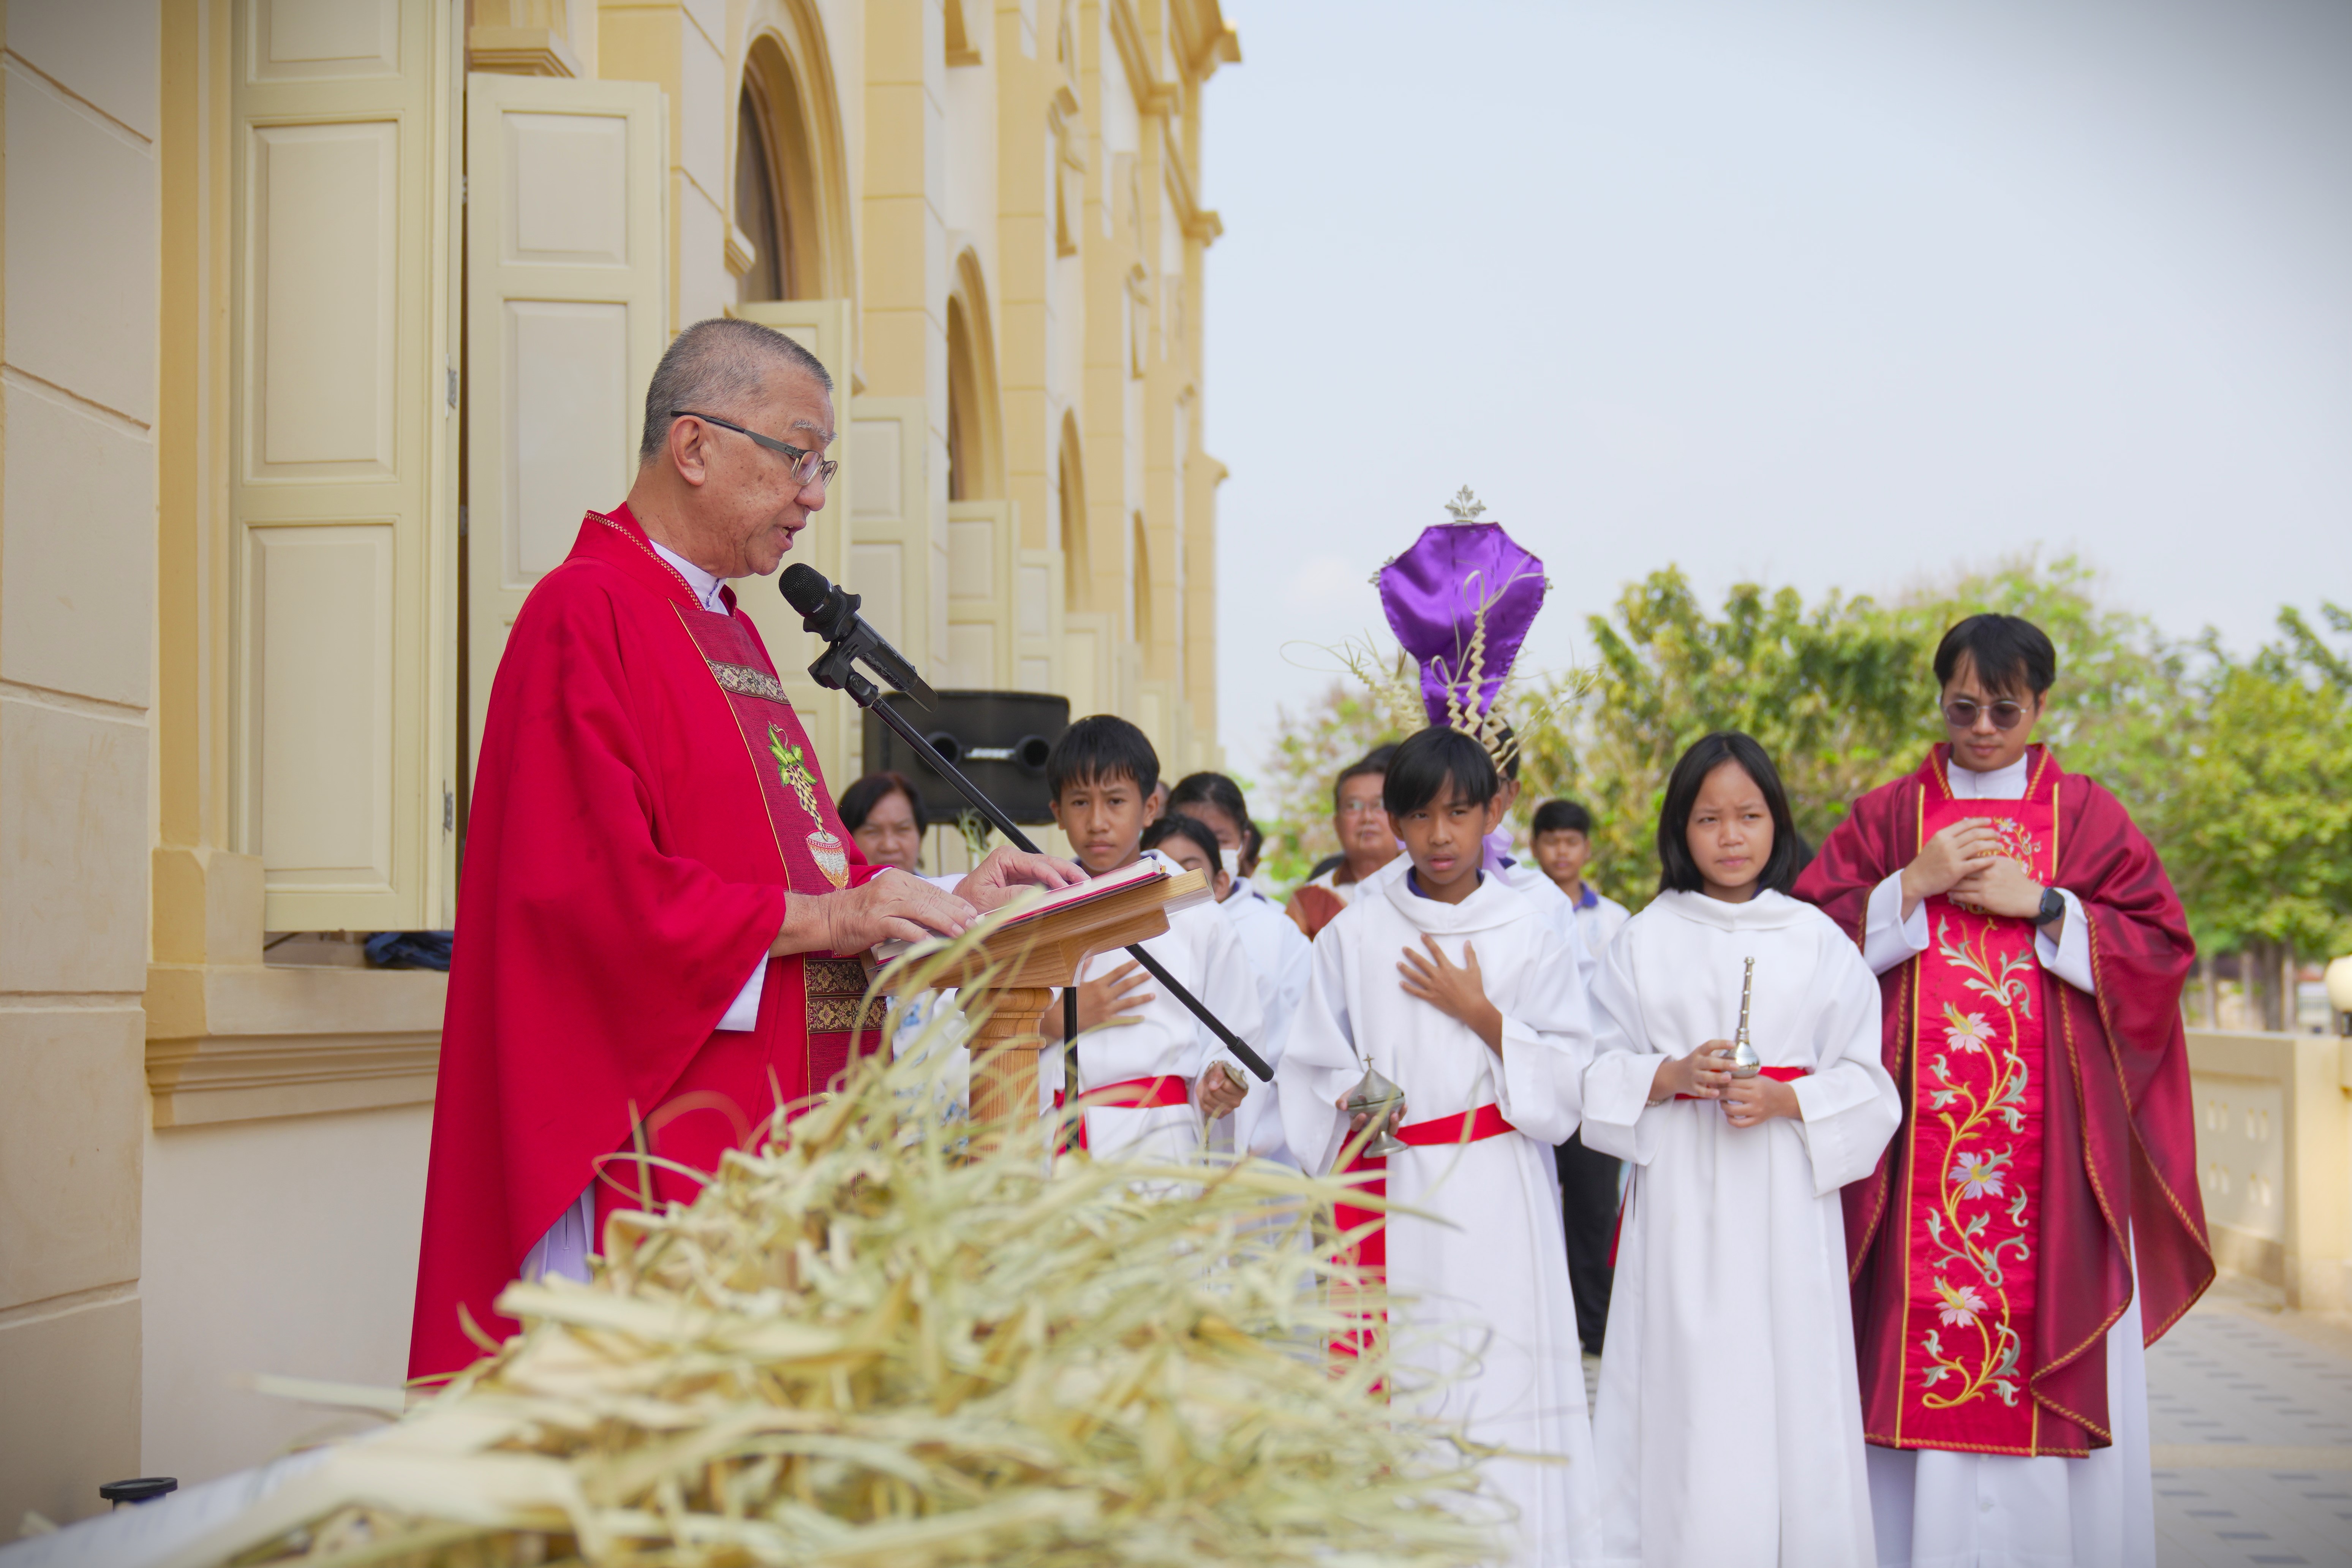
<point>890,1338</point>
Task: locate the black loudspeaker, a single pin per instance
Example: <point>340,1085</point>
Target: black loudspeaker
<point>1000,740</point>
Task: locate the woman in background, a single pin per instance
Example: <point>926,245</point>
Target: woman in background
<point>884,814</point>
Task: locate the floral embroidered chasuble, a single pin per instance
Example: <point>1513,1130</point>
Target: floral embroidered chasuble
<point>1970,1223</point>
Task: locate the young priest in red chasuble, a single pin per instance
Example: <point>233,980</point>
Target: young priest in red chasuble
<point>2036,1220</point>
<point>660,910</point>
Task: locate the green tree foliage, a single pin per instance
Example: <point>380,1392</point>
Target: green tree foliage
<point>2261,836</point>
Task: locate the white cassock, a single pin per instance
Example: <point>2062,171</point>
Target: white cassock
<point>1729,1421</point>
<point>1283,958</point>
<point>1480,1296</point>
<point>1199,948</point>
<point>1938,1509</point>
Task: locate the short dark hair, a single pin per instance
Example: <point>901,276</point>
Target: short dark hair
<point>1253,845</point>
<point>1677,872</point>
<point>717,367</point>
<point>1425,761</point>
<point>1212,789</point>
<point>1101,747</point>
<point>1175,826</point>
<point>1561,816</point>
<point>858,801</point>
<point>2008,652</point>
<point>1371,764</point>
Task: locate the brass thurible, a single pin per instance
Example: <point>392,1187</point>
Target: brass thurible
<point>1745,1062</point>
<point>1378,1097</point>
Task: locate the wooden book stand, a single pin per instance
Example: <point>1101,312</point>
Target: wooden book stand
<point>1010,977</point>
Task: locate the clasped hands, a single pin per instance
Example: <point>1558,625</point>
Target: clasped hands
<point>1964,862</point>
<point>1705,1074</point>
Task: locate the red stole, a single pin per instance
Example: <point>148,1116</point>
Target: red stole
<point>2107,1079</point>
<point>1966,1215</point>
<point>643,800</point>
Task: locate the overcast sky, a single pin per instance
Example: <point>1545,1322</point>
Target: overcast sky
<point>1821,292</point>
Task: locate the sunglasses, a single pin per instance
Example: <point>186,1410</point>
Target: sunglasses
<point>1961,713</point>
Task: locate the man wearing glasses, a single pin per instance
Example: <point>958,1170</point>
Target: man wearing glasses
<point>660,914</point>
<point>2037,1219</point>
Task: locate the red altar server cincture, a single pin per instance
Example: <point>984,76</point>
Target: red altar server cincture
<point>644,797</point>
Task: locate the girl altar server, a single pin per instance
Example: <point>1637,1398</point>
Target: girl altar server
<point>1451,983</point>
<point>1729,1417</point>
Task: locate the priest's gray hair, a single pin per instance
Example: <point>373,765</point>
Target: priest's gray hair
<point>717,367</point>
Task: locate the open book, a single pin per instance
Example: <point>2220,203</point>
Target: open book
<point>1150,868</point>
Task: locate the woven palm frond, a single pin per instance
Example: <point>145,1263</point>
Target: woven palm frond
<point>894,1336</point>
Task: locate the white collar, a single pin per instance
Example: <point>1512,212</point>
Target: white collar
<point>1999,784</point>
<point>705,586</point>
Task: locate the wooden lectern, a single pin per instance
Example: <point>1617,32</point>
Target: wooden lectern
<point>1012,974</point>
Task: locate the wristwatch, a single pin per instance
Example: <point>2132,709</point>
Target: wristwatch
<point>2053,904</point>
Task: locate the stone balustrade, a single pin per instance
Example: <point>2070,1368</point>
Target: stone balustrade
<point>2274,1159</point>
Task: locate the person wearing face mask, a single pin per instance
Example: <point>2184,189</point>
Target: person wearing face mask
<point>1279,952</point>
<point>2038,1218</point>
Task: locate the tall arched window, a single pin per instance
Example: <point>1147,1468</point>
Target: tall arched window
<point>758,211</point>
<point>964,413</point>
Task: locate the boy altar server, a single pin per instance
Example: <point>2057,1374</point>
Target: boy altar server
<point>1447,981</point>
<point>1154,1073</point>
<point>1729,1421</point>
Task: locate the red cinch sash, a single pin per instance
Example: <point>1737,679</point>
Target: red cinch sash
<point>1617,1231</point>
<point>1968,1220</point>
<point>1132,1094</point>
<point>1368,1255</point>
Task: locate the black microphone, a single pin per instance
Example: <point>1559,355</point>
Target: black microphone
<point>830,611</point>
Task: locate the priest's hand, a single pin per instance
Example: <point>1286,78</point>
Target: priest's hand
<point>1007,870</point>
<point>1748,1101</point>
<point>1961,850</point>
<point>1702,1074</point>
<point>892,907</point>
<point>2001,887</point>
<point>1456,990</point>
<point>1221,1091</point>
<point>1102,1002</point>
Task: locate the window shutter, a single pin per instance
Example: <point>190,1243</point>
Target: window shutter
<point>342,482</point>
<point>567,304</point>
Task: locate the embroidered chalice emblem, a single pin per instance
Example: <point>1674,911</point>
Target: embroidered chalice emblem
<point>832,857</point>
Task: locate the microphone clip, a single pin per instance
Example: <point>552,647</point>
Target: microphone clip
<point>850,641</point>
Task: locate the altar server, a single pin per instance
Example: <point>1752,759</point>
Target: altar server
<point>1729,1420</point>
<point>1154,1074</point>
<point>1448,981</point>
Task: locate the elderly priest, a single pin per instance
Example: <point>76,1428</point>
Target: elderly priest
<point>660,909</point>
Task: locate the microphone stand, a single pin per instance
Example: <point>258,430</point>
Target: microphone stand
<point>836,669</point>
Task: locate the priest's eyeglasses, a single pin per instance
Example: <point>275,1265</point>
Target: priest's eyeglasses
<point>808,467</point>
<point>1961,713</point>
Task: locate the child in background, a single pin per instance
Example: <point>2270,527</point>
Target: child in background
<point>1563,835</point>
<point>1448,981</point>
<point>1729,1420</point>
<point>1157,1071</point>
<point>1280,952</point>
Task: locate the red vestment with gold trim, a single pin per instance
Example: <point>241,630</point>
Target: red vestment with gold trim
<point>2042,1126</point>
<point>644,797</point>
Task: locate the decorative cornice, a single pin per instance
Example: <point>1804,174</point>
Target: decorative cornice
<point>237,1042</point>
<point>519,51</point>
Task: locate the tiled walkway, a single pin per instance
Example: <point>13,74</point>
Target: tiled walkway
<point>2251,1412</point>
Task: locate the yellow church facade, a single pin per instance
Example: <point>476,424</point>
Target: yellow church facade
<point>324,321</point>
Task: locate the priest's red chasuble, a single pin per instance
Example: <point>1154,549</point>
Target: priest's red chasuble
<point>2047,1134</point>
<point>644,798</point>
